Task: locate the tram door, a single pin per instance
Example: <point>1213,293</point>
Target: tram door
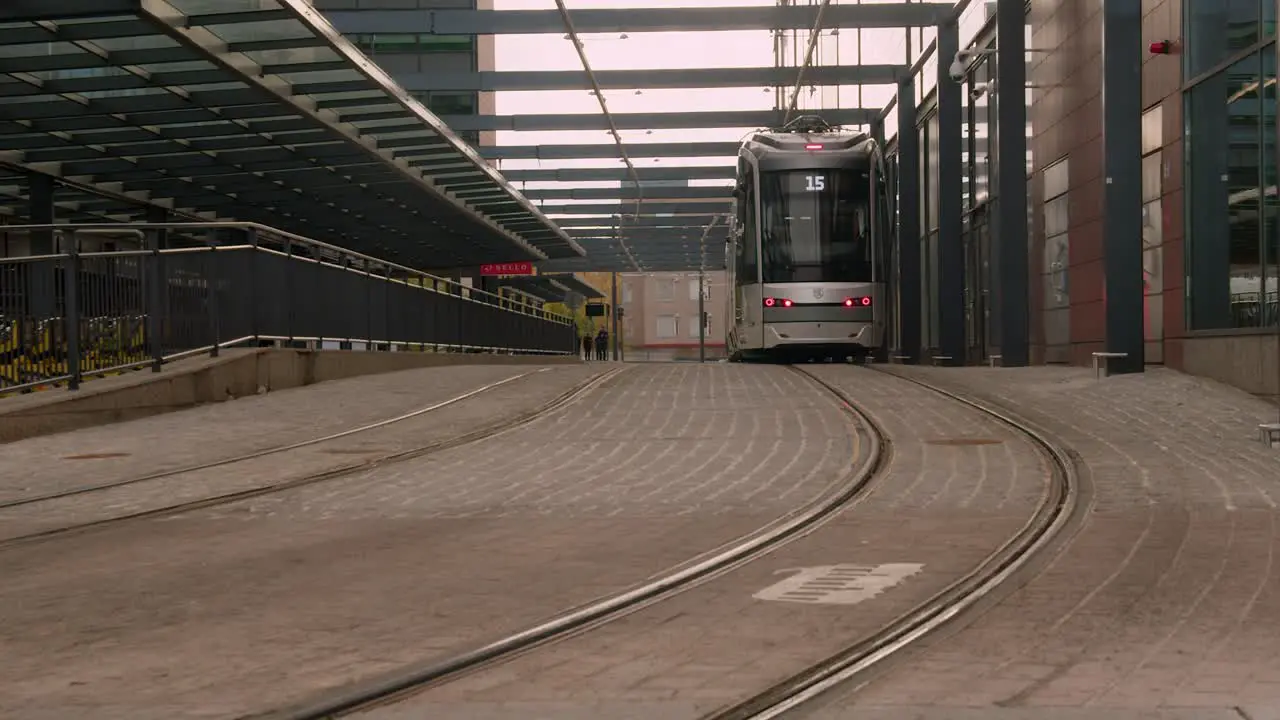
<point>977,292</point>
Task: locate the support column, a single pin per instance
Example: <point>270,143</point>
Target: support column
<point>907,242</point>
<point>1122,192</point>
<point>42,294</point>
<point>1010,221</point>
<point>950,297</point>
<point>613,313</point>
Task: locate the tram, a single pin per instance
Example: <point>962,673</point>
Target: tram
<point>806,255</point>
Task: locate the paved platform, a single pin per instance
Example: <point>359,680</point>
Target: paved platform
<point>1167,600</point>
<point>236,609</point>
<point>113,453</point>
<point>959,485</point>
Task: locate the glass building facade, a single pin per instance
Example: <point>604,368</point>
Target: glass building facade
<point>1232,251</point>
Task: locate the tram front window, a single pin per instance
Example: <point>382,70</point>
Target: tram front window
<point>815,226</point>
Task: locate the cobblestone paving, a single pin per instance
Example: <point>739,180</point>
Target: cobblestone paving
<point>522,395</point>
<point>38,466</point>
<point>219,613</point>
<point>943,504</point>
<point>1167,598</point>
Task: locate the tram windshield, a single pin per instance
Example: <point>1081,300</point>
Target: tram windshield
<point>815,226</point>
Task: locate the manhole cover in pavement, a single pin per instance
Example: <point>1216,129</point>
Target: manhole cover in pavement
<point>960,442</point>
<point>95,456</point>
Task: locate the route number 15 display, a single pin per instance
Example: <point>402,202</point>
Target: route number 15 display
<point>815,183</point>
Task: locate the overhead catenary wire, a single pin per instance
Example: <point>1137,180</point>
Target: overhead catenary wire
<point>814,35</point>
<point>613,127</point>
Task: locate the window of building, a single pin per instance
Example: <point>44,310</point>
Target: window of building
<point>706,325</point>
<point>419,43</point>
<point>1217,31</point>
<point>693,289</point>
<point>1153,231</point>
<point>1056,258</point>
<point>666,289</point>
<point>667,326</point>
<point>1231,209</point>
<point>447,103</point>
<point>626,293</point>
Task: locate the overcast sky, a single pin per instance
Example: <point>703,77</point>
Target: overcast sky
<point>683,50</point>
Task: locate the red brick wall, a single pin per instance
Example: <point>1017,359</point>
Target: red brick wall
<point>1066,116</point>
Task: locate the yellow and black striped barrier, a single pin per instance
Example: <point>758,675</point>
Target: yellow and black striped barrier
<point>35,350</point>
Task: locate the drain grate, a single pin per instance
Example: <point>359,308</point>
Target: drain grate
<point>95,456</point>
<point>962,442</point>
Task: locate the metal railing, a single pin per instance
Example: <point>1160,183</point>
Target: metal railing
<point>115,297</point>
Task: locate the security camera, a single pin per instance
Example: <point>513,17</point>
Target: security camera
<point>982,89</point>
<point>959,67</point>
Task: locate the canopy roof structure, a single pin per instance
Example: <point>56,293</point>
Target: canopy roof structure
<point>631,190</point>
<point>255,110</point>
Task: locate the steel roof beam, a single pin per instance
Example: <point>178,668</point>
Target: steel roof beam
<point>534,80</point>
<point>629,20</point>
<point>649,208</point>
<point>725,172</point>
<point>594,152</point>
<point>625,193</point>
<point>681,221</point>
<point>649,121</point>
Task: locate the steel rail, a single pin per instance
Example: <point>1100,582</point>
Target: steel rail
<point>1059,505</point>
<point>608,117</point>
<point>477,435</point>
<point>846,490</point>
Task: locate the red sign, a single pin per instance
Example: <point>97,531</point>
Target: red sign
<point>515,268</point>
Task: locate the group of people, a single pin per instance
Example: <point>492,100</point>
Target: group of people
<point>597,345</point>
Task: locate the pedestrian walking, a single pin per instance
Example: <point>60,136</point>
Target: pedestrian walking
<point>602,344</point>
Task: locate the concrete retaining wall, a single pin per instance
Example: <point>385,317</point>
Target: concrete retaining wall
<point>236,373</point>
<point>1249,362</point>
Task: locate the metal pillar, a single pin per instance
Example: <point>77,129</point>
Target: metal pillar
<point>613,314</point>
<point>908,239</point>
<point>1122,192</point>
<point>702,317</point>
<point>40,211</point>
<point>157,300</point>
<point>42,301</point>
<point>1010,222</point>
<point>950,297</point>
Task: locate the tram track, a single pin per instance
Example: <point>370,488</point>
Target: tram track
<point>488,431</point>
<point>1056,509</point>
<point>844,492</point>
<point>1050,516</point>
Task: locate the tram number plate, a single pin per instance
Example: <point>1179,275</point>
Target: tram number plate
<point>837,584</point>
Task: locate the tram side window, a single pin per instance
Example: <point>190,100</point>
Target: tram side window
<point>747,256</point>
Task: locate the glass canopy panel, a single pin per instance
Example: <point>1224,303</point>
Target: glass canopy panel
<point>207,7</point>
<point>323,76</point>
<point>260,31</point>
<point>293,56</point>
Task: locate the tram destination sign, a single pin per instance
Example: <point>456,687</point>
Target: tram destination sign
<point>513,268</point>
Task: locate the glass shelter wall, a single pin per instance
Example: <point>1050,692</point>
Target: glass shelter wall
<point>979,98</point>
<point>1230,130</point>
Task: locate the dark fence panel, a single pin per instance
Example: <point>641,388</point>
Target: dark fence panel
<point>135,308</point>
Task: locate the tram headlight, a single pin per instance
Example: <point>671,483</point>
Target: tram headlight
<point>863,301</point>
<point>848,302</point>
<point>770,302</point>
<point>786,302</point>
